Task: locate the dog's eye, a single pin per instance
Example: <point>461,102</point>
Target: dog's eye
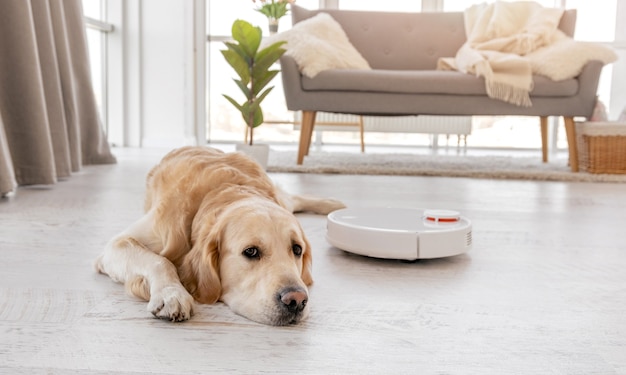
<point>297,249</point>
<point>252,252</point>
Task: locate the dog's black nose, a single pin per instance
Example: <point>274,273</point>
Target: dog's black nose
<point>294,299</point>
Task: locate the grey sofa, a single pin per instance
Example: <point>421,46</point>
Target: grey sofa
<point>403,49</point>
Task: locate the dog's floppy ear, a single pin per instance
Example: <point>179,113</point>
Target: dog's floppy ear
<point>199,271</point>
<point>307,263</point>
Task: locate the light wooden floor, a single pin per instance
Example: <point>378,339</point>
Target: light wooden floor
<point>542,292</point>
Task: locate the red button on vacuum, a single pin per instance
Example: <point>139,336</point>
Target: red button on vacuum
<point>442,216</point>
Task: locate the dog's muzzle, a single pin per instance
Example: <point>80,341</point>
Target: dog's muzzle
<point>292,301</point>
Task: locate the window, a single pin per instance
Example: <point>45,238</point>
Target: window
<point>97,30</point>
<point>385,6</point>
<point>461,5</point>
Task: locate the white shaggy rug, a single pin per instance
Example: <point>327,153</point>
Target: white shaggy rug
<point>494,167</point>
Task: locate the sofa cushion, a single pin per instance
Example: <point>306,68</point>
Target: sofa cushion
<point>422,82</point>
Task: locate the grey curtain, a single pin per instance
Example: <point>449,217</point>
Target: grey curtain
<point>49,123</point>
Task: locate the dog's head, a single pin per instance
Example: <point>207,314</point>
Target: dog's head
<point>253,255</point>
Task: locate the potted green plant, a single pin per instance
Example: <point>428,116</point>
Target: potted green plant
<point>253,67</point>
<point>274,10</point>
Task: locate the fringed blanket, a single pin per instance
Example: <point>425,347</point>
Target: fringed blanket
<point>509,42</point>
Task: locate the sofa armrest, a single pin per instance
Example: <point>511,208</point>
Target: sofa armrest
<point>292,83</point>
<point>588,85</point>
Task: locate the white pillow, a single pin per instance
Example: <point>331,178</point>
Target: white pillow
<point>319,43</point>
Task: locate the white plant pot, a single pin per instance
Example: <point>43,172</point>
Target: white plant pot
<point>259,153</point>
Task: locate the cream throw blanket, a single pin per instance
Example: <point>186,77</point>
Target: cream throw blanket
<point>508,42</point>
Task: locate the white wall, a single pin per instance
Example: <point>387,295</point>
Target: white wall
<point>156,70</point>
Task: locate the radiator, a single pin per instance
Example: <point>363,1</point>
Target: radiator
<point>457,125</point>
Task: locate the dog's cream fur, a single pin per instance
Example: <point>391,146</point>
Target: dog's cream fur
<point>216,228</point>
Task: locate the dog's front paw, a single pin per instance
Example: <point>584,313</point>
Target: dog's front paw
<point>171,303</point>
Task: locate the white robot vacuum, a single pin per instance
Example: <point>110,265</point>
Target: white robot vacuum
<point>399,233</point>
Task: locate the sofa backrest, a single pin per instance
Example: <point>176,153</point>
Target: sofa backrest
<point>405,41</point>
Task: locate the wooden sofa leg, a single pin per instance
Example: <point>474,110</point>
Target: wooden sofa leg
<point>572,145</point>
<point>306,132</point>
<point>361,130</point>
<point>544,138</point>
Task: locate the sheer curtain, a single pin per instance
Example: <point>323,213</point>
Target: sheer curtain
<point>49,123</point>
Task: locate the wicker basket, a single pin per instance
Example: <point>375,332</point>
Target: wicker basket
<point>602,147</point>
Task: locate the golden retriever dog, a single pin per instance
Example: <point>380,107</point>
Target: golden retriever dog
<point>216,228</point>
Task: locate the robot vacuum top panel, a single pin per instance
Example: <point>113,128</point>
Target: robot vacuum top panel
<point>399,233</point>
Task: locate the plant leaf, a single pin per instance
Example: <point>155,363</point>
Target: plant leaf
<point>266,58</point>
<point>238,63</point>
<point>252,113</point>
<point>262,96</point>
<point>245,113</point>
<point>238,49</point>
<point>258,117</point>
<point>248,36</point>
<point>270,49</point>
<point>233,102</point>
<point>243,87</point>
<point>264,80</point>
